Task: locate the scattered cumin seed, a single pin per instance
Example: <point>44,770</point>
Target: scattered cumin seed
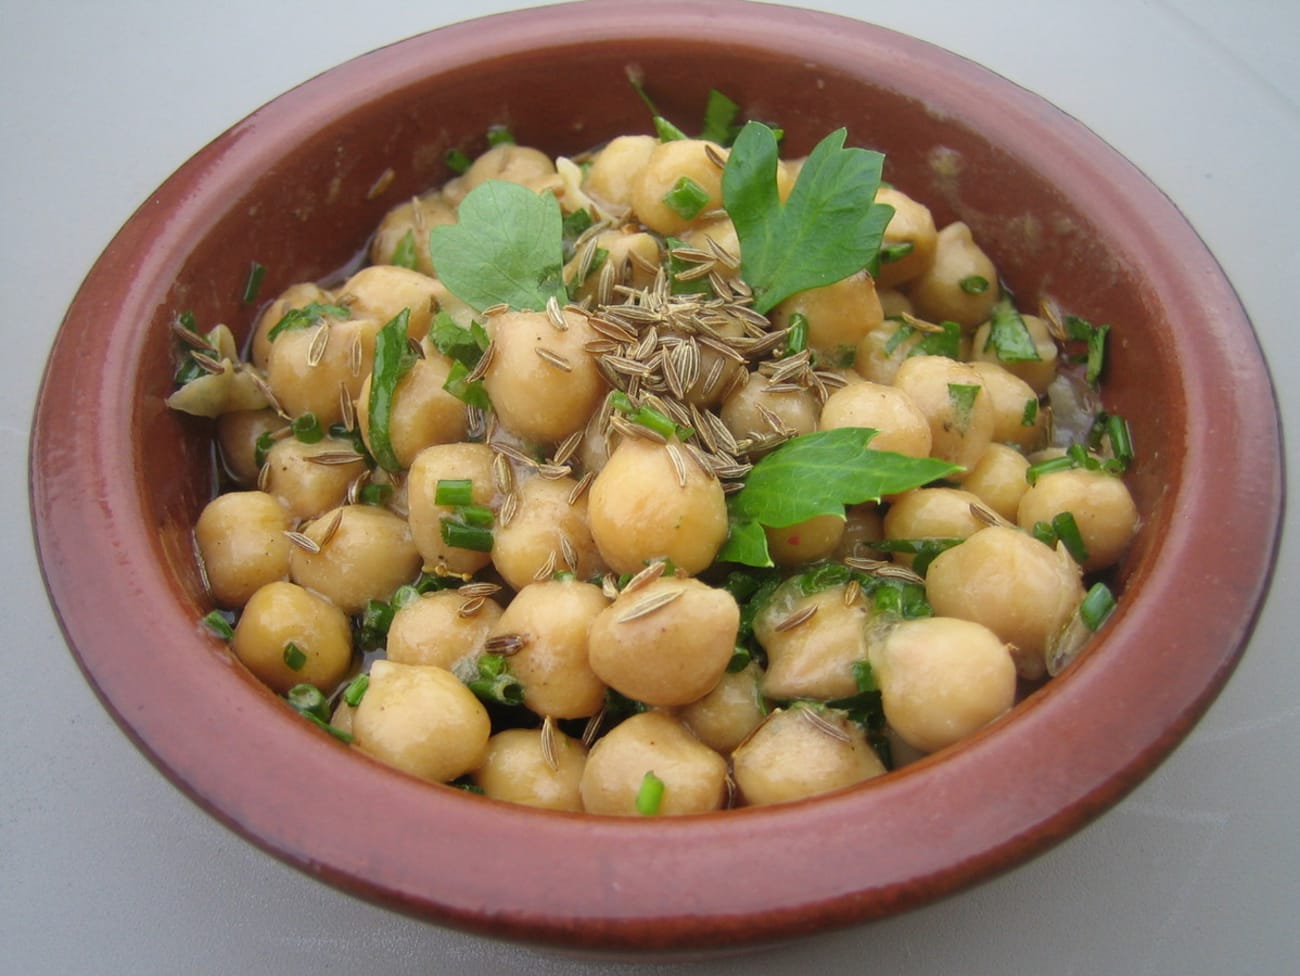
<point>548,744</point>
<point>645,577</point>
<point>555,314</point>
<point>472,590</point>
<point>303,542</point>
<point>484,361</point>
<point>335,458</point>
<point>581,486</point>
<point>567,447</point>
<point>649,605</point>
<point>796,618</point>
<point>554,358</point>
<point>824,725</point>
<point>471,606</point>
<point>679,465</point>
<point>505,644</point>
<point>547,569</point>
<point>207,363</point>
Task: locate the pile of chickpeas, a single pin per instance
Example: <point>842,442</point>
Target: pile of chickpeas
<point>602,584</point>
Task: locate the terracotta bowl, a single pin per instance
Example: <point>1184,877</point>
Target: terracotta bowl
<point>117,479</point>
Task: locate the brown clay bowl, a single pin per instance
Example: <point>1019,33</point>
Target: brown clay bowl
<point>117,479</point>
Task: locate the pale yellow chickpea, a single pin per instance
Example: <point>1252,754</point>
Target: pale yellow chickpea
<point>510,162</point>
<point>298,295</point>
<point>242,544</point>
<point>547,533</point>
<point>814,658</point>
<point>893,302</point>
<point>670,163</point>
<point>633,254</point>
<point>307,487</point>
<point>941,679</point>
<point>237,435</point>
<point>365,553</point>
<point>408,225</point>
<point>951,396</point>
<point>755,412</point>
<point>1017,416</point>
<point>311,372</point>
<point>721,232</point>
<point>900,425</point>
<point>1013,584</point>
<point>422,720</point>
<point>381,291</point>
<point>1037,373</point>
<point>422,412</point>
<point>436,629</point>
<point>998,479</point>
<point>639,510</point>
<point>912,229</point>
<point>840,315</point>
<point>802,751</point>
<point>553,618</point>
<point>694,777</point>
<point>931,513</point>
<point>719,374</point>
<point>518,768</point>
<point>615,168</point>
<point>938,293</point>
<point>447,462</point>
<point>804,542</point>
<point>281,614</point>
<point>882,351</point>
<point>667,642</point>
<point>542,381</point>
<point>1102,506</point>
<point>727,714</point>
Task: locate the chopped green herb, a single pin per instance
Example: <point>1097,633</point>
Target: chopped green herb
<point>649,417</point>
<point>1029,416</point>
<point>687,198</point>
<point>974,284</point>
<point>373,494</point>
<point>500,135</point>
<point>720,114</point>
<point>307,429</point>
<point>1067,531</point>
<point>493,681</point>
<point>459,491</point>
<point>308,700</point>
<point>1009,337</point>
<point>650,796</point>
<point>470,392</point>
<point>1097,606</point>
<point>308,315</point>
<point>457,161</point>
<point>1081,330</point>
<point>1121,439</point>
<point>253,284</point>
<point>294,658</point>
<point>741,658</point>
<point>217,622</point>
<point>393,358</point>
<point>829,228</point>
<point>265,441</point>
<point>797,341</point>
<point>943,341</point>
<point>405,254</point>
<point>1036,471</point>
<point>462,535</point>
<point>923,550</point>
<point>962,397</point>
<point>677,266</point>
<point>896,252</point>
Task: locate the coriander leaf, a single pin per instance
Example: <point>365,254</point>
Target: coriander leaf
<point>507,248</point>
<point>310,314</point>
<point>1009,337</point>
<point>392,359</point>
<point>828,229</point>
<point>720,114</point>
<point>820,473</point>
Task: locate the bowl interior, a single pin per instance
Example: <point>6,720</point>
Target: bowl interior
<point>298,187</point>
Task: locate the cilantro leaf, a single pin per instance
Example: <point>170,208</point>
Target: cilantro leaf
<point>506,248</point>
<point>829,228</point>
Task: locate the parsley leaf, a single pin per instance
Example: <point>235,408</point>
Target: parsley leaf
<point>1009,337</point>
<point>828,229</point>
<point>393,358</point>
<point>506,248</point>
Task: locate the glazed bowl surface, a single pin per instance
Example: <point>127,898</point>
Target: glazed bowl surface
<point>117,479</point>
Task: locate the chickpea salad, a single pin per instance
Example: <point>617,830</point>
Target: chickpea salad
<point>676,476</point>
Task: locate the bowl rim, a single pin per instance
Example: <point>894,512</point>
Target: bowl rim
<point>644,884</point>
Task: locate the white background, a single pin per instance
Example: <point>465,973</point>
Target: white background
<point>106,868</point>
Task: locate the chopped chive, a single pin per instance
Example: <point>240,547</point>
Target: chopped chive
<point>1121,439</point>
<point>493,681</point>
<point>294,658</point>
<point>1029,416</point>
<point>331,729</point>
<point>1097,606</point>
<point>650,797</point>
<point>459,491</point>
<point>896,252</point>
<point>974,284</point>
<point>307,428</point>
<point>740,659</point>
<point>377,616</point>
<point>372,494</point>
<point>687,198</point>
<point>461,536</point>
<point>479,516</point>
<point>1036,471</point>
<point>797,341</point>
<point>405,254</point>
<point>865,676</point>
<point>649,417</point>
<point>666,131</point>
<point>265,441</point>
<point>308,700</point>
<point>500,135</point>
<point>256,272</point>
<point>217,622</point>
<point>1044,533</point>
<point>1067,531</point>
<point>457,161</point>
<point>1081,330</point>
<point>356,690</point>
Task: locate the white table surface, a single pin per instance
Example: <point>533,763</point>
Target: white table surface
<point>107,868</point>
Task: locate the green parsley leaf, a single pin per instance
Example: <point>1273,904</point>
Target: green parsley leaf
<point>392,360</point>
<point>404,254</point>
<point>720,114</point>
<point>301,318</point>
<point>829,228</point>
<point>506,248</point>
<point>1009,337</point>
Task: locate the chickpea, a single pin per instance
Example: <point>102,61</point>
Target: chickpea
<point>365,554</point>
<point>298,295</point>
<point>1017,416</point>
<point>839,317</point>
<point>941,679</point>
<point>1017,587</point>
<point>727,714</point>
<point>813,659</point>
<point>422,412</point>
<point>670,163</point>
<point>382,291</point>
<point>635,252</point>
<point>510,162</point>
<point>1037,373</point>
<point>421,720</point>
<point>893,303</point>
<point>931,513</point>
<point>547,533</point>
<point>615,169</point>
<point>901,426</point>
<point>752,410</point>
<point>447,462</point>
<point>802,751</point>
<point>912,225</point>
<point>305,487</point>
<point>280,614</point>
<point>693,775</point>
<point>948,290</point>
<point>414,218</point>
<point>553,617</point>
<point>863,525</point>
<point>998,480</point>
<point>804,542</point>
<point>1101,504</point>
<point>311,373</point>
<point>667,642</point>
<point>434,629</point>
<point>952,398</point>
<point>242,543</point>
<point>542,381</point>
<point>521,768</point>
<point>237,435</point>
<point>640,511</point>
<point>719,374</point>
<point>721,232</point>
